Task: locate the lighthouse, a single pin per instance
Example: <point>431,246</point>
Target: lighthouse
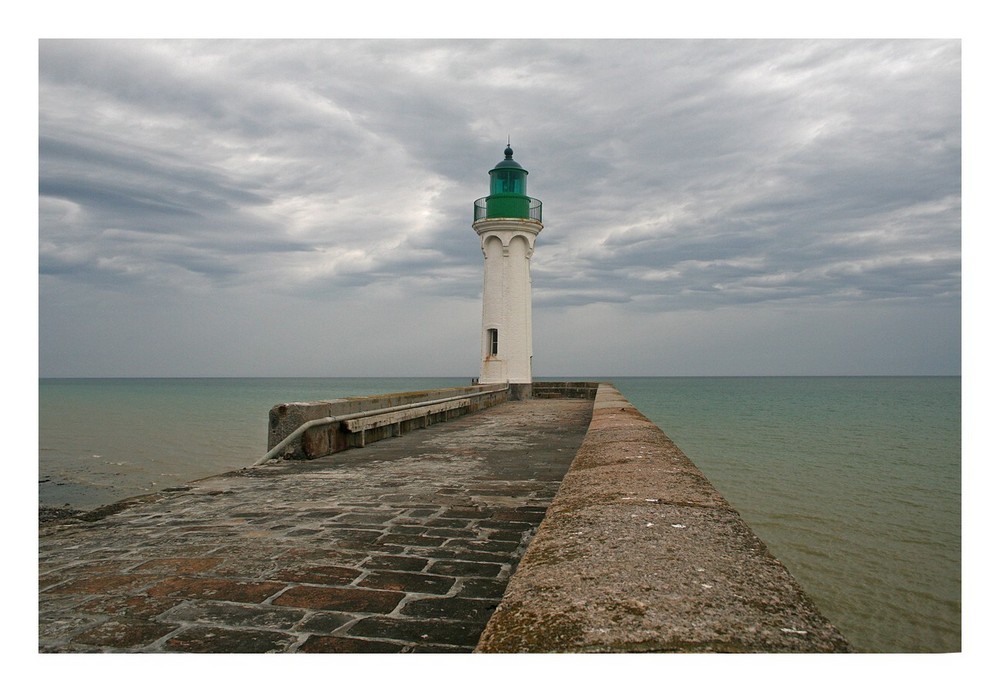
<point>507,222</point>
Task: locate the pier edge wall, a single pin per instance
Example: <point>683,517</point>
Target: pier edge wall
<point>564,390</point>
<point>322,440</point>
<point>639,552</point>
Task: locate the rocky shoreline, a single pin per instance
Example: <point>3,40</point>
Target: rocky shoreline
<point>47,515</point>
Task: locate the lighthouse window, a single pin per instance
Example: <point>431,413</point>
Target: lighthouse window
<point>492,336</point>
<point>507,181</point>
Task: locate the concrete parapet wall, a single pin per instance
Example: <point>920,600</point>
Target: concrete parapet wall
<point>322,440</point>
<point>564,390</point>
<point>639,552</point>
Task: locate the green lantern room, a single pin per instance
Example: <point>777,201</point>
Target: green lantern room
<point>508,193</point>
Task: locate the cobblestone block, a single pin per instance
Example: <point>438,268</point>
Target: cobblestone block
<point>352,537</point>
<point>499,557</point>
<point>179,565</point>
<point>311,555</point>
<point>508,525</point>
<point>234,615</point>
<point>420,631</point>
<point>347,600</point>
<point>323,513</point>
<point>112,583</point>
<point>407,539</point>
<point>330,575</point>
<point>95,568</point>
<point>408,581</point>
<point>141,606</point>
<point>396,563</point>
<point>54,631</point>
<point>213,639</point>
<point>510,536</point>
<point>215,589</point>
<point>346,645</point>
<point>449,523</point>
<point>519,516</point>
<point>367,518</point>
<point>455,608</point>
<point>485,545</point>
<point>451,533</point>
<point>124,634</point>
<point>324,623</point>
<point>465,569</point>
<point>407,529</point>
<point>467,513</point>
<point>482,588</point>
<point>46,581</point>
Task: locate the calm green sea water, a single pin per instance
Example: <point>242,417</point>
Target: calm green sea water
<point>854,483</point>
<point>104,439</point>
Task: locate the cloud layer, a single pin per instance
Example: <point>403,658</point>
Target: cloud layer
<point>304,207</point>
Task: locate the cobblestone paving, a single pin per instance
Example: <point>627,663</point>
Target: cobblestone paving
<point>402,546</point>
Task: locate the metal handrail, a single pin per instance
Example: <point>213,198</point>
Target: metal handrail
<point>280,447</point>
<point>534,209</point>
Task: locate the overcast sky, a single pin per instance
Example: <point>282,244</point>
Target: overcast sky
<point>301,208</point>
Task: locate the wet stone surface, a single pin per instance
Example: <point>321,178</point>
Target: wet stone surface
<point>402,546</point>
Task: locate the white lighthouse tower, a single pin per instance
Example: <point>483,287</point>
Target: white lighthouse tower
<point>507,223</point>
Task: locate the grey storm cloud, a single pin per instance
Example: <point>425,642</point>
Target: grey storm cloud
<point>676,175</point>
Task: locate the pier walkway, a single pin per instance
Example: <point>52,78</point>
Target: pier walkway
<point>406,545</point>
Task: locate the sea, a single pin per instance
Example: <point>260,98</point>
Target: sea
<point>854,483</point>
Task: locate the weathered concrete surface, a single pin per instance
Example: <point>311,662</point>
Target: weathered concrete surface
<point>638,552</point>
<point>405,545</point>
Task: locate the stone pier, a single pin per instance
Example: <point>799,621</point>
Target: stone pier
<point>565,522</point>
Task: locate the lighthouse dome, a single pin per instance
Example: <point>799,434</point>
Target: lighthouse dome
<point>508,160</point>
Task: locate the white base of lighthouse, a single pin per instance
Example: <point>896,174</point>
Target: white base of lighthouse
<point>507,244</point>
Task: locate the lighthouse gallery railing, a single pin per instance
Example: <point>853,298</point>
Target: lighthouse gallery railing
<point>534,209</point>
